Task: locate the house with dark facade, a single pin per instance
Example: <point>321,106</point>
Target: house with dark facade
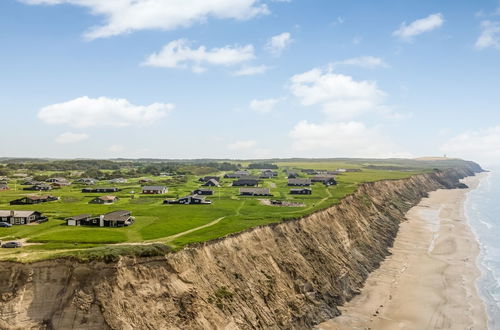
<point>299,182</point>
<point>301,191</point>
<point>206,192</point>
<point>113,219</point>
<point>211,183</point>
<point>107,200</point>
<point>245,183</point>
<point>154,190</point>
<point>21,217</point>
<point>189,200</point>
<point>58,182</point>
<point>208,178</point>
<point>237,174</point>
<point>86,181</point>
<point>326,180</point>
<point>100,190</point>
<point>39,187</point>
<point>34,199</point>
<point>255,192</point>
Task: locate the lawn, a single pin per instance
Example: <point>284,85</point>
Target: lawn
<point>157,222</point>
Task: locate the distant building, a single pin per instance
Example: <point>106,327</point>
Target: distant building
<point>113,219</point>
<point>60,182</point>
<point>21,217</point>
<point>39,187</point>
<point>246,182</point>
<point>34,199</point>
<point>299,182</point>
<point>154,190</point>
<point>303,191</point>
<point>189,200</point>
<point>104,200</point>
<point>255,192</point>
<point>208,178</point>
<point>207,192</point>
<point>86,181</point>
<point>326,180</point>
<point>3,187</point>
<point>237,174</point>
<point>211,183</point>
<point>100,190</point>
<point>118,181</point>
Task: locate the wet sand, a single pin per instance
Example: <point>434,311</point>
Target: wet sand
<point>429,281</point>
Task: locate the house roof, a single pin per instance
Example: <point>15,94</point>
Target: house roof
<point>154,188</point>
<point>299,181</point>
<point>121,215</point>
<point>301,189</point>
<point>17,214</point>
<point>107,198</point>
<point>254,190</point>
<point>38,197</point>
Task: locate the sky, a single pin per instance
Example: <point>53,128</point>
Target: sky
<point>250,78</point>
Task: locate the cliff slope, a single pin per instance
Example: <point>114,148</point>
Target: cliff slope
<point>289,275</point>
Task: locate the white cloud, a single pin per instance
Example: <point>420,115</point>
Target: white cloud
<point>277,44</point>
<point>116,148</point>
<point>490,35</point>
<point>368,62</point>
<point>429,23</point>
<point>251,70</point>
<point>340,96</point>
<point>242,145</point>
<point>68,137</point>
<point>179,54</point>
<point>264,106</point>
<point>126,16</point>
<point>87,112</point>
<point>342,139</point>
<point>481,145</point>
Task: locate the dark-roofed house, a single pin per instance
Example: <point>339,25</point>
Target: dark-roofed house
<point>39,187</point>
<point>113,219</point>
<point>203,192</point>
<point>3,187</point>
<point>246,183</point>
<point>79,220</point>
<point>34,199</point>
<point>237,174</point>
<point>21,217</point>
<point>326,180</point>
<point>292,174</point>
<point>104,200</point>
<point>100,190</point>
<point>211,183</point>
<point>154,190</point>
<point>255,192</point>
<point>189,200</point>
<point>208,178</point>
<point>302,191</point>
<point>299,182</point>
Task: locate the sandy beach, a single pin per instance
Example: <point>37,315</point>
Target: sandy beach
<point>429,281</point>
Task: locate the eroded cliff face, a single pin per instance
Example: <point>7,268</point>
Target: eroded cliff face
<point>290,275</point>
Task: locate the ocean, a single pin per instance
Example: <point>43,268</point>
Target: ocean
<point>482,208</point>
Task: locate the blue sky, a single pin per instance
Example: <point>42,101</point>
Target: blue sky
<point>249,78</point>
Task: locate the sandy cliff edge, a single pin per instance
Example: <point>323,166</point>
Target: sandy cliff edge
<point>289,275</point>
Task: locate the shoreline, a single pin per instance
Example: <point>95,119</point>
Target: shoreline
<point>430,279</point>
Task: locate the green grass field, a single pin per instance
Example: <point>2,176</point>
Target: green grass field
<point>156,222</point>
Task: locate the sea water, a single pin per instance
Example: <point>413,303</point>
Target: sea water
<point>482,208</point>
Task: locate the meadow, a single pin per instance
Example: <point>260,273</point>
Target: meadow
<point>173,225</point>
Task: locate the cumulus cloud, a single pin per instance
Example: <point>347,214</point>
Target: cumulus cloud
<point>68,137</point>
<point>94,112</point>
<point>367,62</point>
<point>125,16</point>
<point>340,96</point>
<point>415,28</point>
<point>251,70</point>
<point>264,106</point>
<point>242,145</point>
<point>481,145</point>
<point>179,54</point>
<point>490,35</point>
<point>342,139</point>
<point>277,44</point>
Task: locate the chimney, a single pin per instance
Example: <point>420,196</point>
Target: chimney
<point>12,212</point>
<point>101,221</point>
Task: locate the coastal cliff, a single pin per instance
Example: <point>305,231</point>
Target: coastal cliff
<point>288,275</point>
